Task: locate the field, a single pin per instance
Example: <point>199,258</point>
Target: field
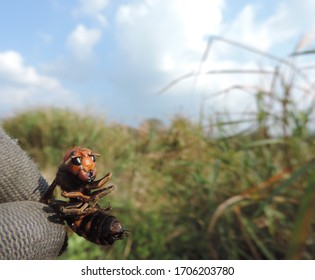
<point>190,190</point>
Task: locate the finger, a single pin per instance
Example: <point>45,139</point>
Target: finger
<point>30,230</point>
<point>20,178</point>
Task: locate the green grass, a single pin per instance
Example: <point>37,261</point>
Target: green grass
<point>183,194</point>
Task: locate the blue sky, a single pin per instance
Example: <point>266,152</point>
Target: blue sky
<point>112,57</point>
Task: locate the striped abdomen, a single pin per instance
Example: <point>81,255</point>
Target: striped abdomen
<point>98,227</point>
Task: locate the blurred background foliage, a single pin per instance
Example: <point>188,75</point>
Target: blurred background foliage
<point>195,190</point>
<point>183,193</point>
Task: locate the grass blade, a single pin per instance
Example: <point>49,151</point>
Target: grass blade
<point>304,219</point>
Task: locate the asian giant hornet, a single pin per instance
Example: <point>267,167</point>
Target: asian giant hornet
<point>75,177</point>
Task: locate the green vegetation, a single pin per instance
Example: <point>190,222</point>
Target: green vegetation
<point>195,190</point>
<point>183,193</point>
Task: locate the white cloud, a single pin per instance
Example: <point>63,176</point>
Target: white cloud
<point>158,41</point>
<point>82,41</point>
<point>161,40</point>
<point>164,35</point>
<point>264,34</point>
<point>301,14</point>
<point>93,9</point>
<point>129,13</point>
<point>22,85</point>
<point>13,71</point>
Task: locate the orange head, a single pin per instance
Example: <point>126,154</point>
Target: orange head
<point>81,162</point>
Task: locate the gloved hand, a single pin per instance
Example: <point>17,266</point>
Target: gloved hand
<point>28,228</point>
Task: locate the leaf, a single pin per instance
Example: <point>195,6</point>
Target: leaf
<point>302,224</point>
<point>251,232</point>
<point>295,176</point>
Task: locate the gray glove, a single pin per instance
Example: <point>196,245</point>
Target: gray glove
<point>28,228</point>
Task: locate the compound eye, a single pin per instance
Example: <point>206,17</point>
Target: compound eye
<point>92,157</point>
<point>76,161</point>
